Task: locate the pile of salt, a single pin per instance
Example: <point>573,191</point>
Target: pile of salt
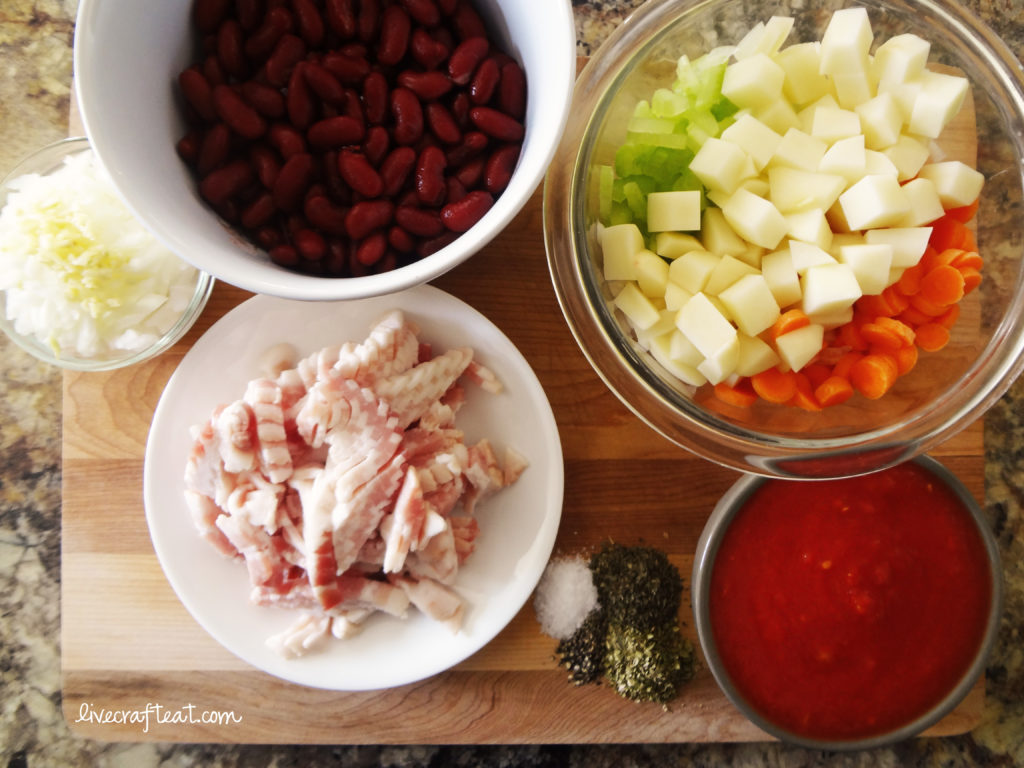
<point>565,596</point>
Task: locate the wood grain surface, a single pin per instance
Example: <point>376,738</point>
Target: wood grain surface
<point>130,647</point>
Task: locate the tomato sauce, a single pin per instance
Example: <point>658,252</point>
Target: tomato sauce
<point>846,608</point>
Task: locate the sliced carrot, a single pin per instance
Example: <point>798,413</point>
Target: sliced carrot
<point>845,363</point>
<point>970,242</point>
<point>949,317</point>
<point>943,286</point>
<point>906,359</point>
<point>914,317</point>
<point>948,232</point>
<point>965,212</point>
<point>740,394</point>
<point>804,397</point>
<point>898,328</point>
<point>895,299</point>
<point>849,336</point>
<point>932,337</point>
<point>910,281</point>
<point>967,259</point>
<point>875,306</point>
<point>833,391</point>
<point>790,320</point>
<point>774,385</point>
<point>816,372</point>
<point>879,336</point>
<point>926,307</point>
<point>933,258</point>
<point>972,278</point>
<point>874,375</point>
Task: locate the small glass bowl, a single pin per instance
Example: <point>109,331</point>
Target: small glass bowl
<point>707,549</point>
<point>946,391</point>
<point>49,159</point>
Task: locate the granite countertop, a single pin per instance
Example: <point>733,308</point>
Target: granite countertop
<point>35,56</point>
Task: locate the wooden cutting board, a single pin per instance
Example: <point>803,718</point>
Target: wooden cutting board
<point>130,648</point>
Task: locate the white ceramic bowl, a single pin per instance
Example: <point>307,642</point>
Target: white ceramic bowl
<point>127,57</point>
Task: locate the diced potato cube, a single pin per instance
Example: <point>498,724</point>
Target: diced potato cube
<point>810,226</point>
<point>720,165</point>
<point>924,204</point>
<point>651,273</point>
<point>755,356</point>
<point>666,324</point>
<point>764,37</point>
<point>752,255</point>
<point>728,270</point>
<point>753,82</point>
<point>688,374</point>
<point>801,63</point>
<point>638,309</point>
<point>806,114</point>
<point>839,239</point>
<point>877,164</point>
<point>792,190</point>
<point>755,219</point>
<point>832,319</point>
<point>676,296</point>
<point>619,244</point>
<point>672,245</point>
<point>799,150</point>
<point>938,101</point>
<point>870,265</point>
<point>956,183</point>
<point>899,59</point>
<point>692,270</point>
<point>682,350</point>
<point>908,155</point>
<point>782,278</point>
<point>908,243</point>
<point>829,288</point>
<point>881,121</point>
<point>807,255</point>
<point>874,201</point>
<point>853,88</point>
<point>846,158</point>
<point>753,137</point>
<point>846,42</point>
<point>705,326</point>
<point>751,304</point>
<point>779,116</point>
<point>673,211</point>
<point>831,124</point>
<point>718,236</point>
<point>797,348</point>
<point>720,365</point>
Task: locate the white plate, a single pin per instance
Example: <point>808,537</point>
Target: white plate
<point>517,525</point>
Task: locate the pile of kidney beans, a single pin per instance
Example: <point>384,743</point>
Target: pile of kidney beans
<point>349,137</point>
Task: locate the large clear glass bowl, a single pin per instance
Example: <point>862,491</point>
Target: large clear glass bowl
<point>945,392</point>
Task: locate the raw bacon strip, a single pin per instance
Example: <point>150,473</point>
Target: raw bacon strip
<point>406,522</point>
<point>235,427</point>
<point>484,378</point>
<point>437,559</point>
<point>390,349</point>
<point>436,600</point>
<point>465,529</point>
<point>205,512</point>
<point>410,393</point>
<point>264,397</point>
<point>257,500</point>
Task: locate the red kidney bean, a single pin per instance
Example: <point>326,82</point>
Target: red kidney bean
<point>496,124</point>
<point>471,173</point>
<point>447,7</point>
<point>219,186</point>
<point>265,163</point>
<point>430,167</point>
<point>213,71</point>
<point>454,190</point>
<point>292,181</point>
<point>196,90</point>
<point>460,110</point>
<point>499,168</point>
<point>341,17</point>
<point>442,123</point>
<point>275,24</point>
<point>208,14</point>
<point>460,216</point>
<point>258,212</point>
<point>426,85</point>
<point>310,244</point>
<point>286,140</point>
<point>353,106</point>
<point>357,172</point>
<point>266,100</point>
<point>485,81</point>
<point>395,29</point>
<point>325,215</point>
<point>408,115</point>
<point>335,132</point>
<point>424,12</point>
<point>288,52</point>
<point>444,36</point>
<point>467,22</point>
<point>309,22</point>
<point>432,246</point>
<point>371,249</point>
<point>395,169</point>
<point>349,69</point>
<point>428,52</point>
<point>512,90</point>
<point>284,255</point>
<point>323,83</point>
<point>367,216</point>
<point>249,13</point>
<point>466,58</point>
<point>421,222</point>
<point>214,149</point>
<point>299,99</point>
<point>368,21</point>
<point>230,49</point>
<point>239,116</point>
<point>375,97</point>
<point>377,144</point>
<point>188,147</point>
<point>473,143</point>
<point>401,240</point>
<point>268,237</point>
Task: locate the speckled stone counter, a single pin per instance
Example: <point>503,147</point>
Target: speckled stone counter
<point>35,77</point>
